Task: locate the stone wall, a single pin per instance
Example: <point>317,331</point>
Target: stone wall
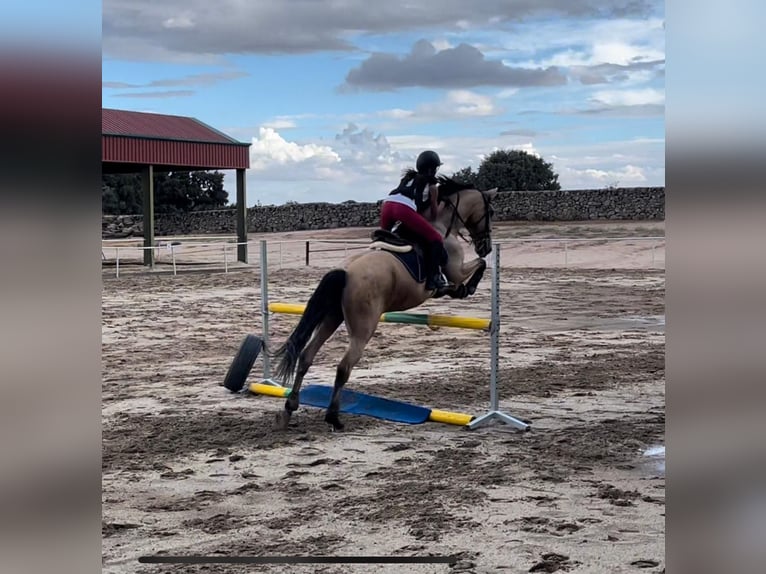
<point>635,203</point>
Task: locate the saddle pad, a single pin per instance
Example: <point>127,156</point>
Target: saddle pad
<point>413,263</point>
<point>357,403</point>
<point>412,260</point>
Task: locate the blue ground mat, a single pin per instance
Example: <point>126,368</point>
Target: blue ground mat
<point>356,403</point>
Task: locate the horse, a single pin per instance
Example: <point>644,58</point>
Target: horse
<point>375,282</point>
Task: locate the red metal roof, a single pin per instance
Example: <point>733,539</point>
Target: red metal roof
<point>167,141</point>
<point>146,125</point>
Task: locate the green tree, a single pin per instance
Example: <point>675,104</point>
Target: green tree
<point>206,190</point>
<point>516,170</point>
<point>173,192</point>
<point>511,170</point>
<point>110,201</point>
<point>465,175</point>
<point>121,194</point>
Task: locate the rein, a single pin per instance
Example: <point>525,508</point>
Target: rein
<point>456,216</point>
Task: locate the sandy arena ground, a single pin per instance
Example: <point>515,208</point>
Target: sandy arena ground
<point>190,469</point>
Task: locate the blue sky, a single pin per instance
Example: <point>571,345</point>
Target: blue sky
<point>338,96</point>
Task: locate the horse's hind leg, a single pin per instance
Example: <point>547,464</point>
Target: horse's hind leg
<point>359,338</point>
<point>328,326</point>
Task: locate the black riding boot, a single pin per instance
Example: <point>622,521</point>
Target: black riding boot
<point>436,258</point>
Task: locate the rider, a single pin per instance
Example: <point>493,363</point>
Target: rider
<point>417,192</point>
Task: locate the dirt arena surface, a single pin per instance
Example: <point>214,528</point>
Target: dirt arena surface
<point>190,469</point>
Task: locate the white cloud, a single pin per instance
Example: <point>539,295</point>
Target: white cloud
<point>280,124</point>
<point>470,104</point>
<point>590,177</point>
<point>367,152</point>
<point>598,42</point>
<point>396,114</point>
<point>528,147</point>
<point>618,42</point>
<point>640,97</point>
<point>456,105</point>
<point>460,103</point>
<point>271,150</point>
<point>363,165</point>
<point>457,152</point>
<point>507,93</point>
<point>639,161</point>
<point>357,164</point>
<point>442,44</point>
<point>623,53</point>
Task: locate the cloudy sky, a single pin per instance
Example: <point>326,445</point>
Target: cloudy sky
<point>338,96</point>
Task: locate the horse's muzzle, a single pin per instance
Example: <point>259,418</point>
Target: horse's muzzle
<point>484,247</point>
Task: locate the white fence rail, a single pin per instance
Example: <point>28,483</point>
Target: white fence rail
<point>186,251</point>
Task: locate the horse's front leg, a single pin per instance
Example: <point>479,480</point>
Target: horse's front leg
<point>476,275</point>
<point>465,276</point>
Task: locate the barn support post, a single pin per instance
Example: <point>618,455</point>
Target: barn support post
<point>241,216</point>
<point>147,186</point>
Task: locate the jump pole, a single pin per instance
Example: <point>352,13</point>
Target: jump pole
<point>400,317</point>
<point>495,414</point>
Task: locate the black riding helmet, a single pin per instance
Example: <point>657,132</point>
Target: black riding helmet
<point>428,162</point>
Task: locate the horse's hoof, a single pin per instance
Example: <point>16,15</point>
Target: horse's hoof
<point>282,420</point>
<point>334,422</point>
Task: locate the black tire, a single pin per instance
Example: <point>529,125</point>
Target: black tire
<point>242,364</point>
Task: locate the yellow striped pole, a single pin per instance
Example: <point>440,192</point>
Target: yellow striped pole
<point>270,390</point>
<point>398,317</point>
<point>436,416</point>
<point>449,418</point>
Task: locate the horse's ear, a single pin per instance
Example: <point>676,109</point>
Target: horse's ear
<point>491,193</point>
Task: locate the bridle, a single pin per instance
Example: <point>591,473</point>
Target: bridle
<point>482,238</point>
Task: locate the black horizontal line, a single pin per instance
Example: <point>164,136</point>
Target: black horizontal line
<point>297,559</point>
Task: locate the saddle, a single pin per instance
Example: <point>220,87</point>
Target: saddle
<point>403,246</point>
<point>390,241</point>
<point>397,240</point>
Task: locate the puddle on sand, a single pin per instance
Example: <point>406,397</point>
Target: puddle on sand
<point>654,459</point>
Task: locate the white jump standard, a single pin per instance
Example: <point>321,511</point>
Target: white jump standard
<point>495,414</point>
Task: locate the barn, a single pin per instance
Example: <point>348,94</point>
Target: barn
<point>145,143</point>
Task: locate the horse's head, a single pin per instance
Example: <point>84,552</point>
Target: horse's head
<point>471,209</point>
<point>477,217</point>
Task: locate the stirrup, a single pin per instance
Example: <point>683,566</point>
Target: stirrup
<point>438,282</point>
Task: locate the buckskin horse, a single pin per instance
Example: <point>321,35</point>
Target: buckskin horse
<point>382,279</point>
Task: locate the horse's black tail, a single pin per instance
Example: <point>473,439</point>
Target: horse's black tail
<point>326,300</point>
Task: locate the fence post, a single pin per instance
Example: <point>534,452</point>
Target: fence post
<point>307,253</point>
<point>117,256</point>
<point>225,260</point>
<point>173,258</point>
<point>264,264</point>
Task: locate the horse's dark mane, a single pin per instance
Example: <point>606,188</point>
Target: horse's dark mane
<point>448,186</point>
